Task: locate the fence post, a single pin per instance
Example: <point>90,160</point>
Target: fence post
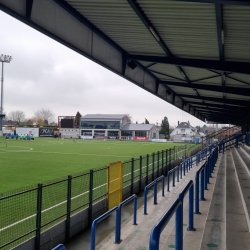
<point>91,173</point>
<point>153,167</point>
<point>158,163</point>
<point>162,159</point>
<point>68,208</point>
<point>147,172</point>
<point>140,173</point>
<point>132,176</point>
<point>38,216</point>
<point>170,160</point>
<point>167,161</point>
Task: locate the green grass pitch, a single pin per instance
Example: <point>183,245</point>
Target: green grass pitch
<point>25,163</point>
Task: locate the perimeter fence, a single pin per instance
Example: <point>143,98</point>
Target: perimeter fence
<point>44,215</point>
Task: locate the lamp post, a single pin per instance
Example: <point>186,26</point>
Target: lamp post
<point>3,59</point>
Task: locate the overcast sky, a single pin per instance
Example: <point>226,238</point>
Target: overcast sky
<point>46,74</point>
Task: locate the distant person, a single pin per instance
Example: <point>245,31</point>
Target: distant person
<point>21,137</point>
<point>28,137</point>
<point>16,136</point>
<point>13,136</point>
<point>32,137</point>
<point>24,137</point>
<point>7,137</point>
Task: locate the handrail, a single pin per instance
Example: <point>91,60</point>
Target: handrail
<point>201,169</point>
<point>119,215</point>
<point>158,228</point>
<point>59,247</point>
<point>189,187</point>
<point>177,207</point>
<point>173,171</point>
<point>155,191</point>
<point>102,217</point>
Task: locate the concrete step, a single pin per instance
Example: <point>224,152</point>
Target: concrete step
<point>215,234</point>
<point>192,240</point>
<point>237,231</point>
<point>243,180</point>
<point>245,157</point>
<point>137,237</point>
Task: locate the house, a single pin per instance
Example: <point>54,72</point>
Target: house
<point>184,132</point>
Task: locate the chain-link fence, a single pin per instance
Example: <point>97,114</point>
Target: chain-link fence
<point>50,213</point>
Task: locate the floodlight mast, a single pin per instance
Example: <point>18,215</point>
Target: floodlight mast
<point>3,59</point>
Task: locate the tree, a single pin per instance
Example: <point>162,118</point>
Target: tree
<point>45,114</point>
<point>164,127</point>
<point>129,118</point>
<point>17,115</point>
<point>78,117</point>
<point>146,121</point>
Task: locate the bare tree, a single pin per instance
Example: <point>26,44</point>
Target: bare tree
<point>45,114</point>
<point>17,115</point>
<point>129,118</point>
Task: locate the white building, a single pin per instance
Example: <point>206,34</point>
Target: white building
<point>184,132</point>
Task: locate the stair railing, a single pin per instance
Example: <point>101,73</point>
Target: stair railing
<point>155,191</point>
<point>177,208</point>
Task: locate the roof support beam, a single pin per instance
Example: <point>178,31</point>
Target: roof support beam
<point>29,4</point>
<point>216,88</point>
<point>138,10</point>
<point>163,74</point>
<point>205,78</point>
<point>216,99</point>
<point>228,66</point>
<point>220,106</point>
<point>219,110</point>
<point>229,2</point>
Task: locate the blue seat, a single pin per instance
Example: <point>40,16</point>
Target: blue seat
<point>59,247</point>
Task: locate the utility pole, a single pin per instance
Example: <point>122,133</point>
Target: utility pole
<point>3,59</point>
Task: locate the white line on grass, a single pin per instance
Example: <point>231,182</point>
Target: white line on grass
<point>12,151</point>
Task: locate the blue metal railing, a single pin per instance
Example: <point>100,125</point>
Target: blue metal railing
<point>59,247</point>
<point>155,191</point>
<point>177,207</point>
<point>102,217</point>
<point>119,217</point>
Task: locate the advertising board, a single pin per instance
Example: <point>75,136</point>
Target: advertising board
<point>86,137</point>
<point>99,137</point>
<point>25,131</point>
<point>46,132</point>
<point>159,140</point>
<point>141,138</point>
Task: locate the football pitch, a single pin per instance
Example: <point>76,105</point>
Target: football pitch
<point>25,163</point>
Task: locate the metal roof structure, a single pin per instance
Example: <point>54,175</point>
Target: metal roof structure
<point>193,54</point>
<point>137,127</point>
<point>101,116</point>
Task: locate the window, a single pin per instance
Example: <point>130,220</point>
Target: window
<point>126,133</point>
<point>182,130</point>
<point>100,124</point>
<point>141,133</point>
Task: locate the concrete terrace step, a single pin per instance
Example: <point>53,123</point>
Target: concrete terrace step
<point>243,180</point>
<point>215,234</point>
<point>137,237</point>
<point>237,231</point>
<point>245,157</point>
